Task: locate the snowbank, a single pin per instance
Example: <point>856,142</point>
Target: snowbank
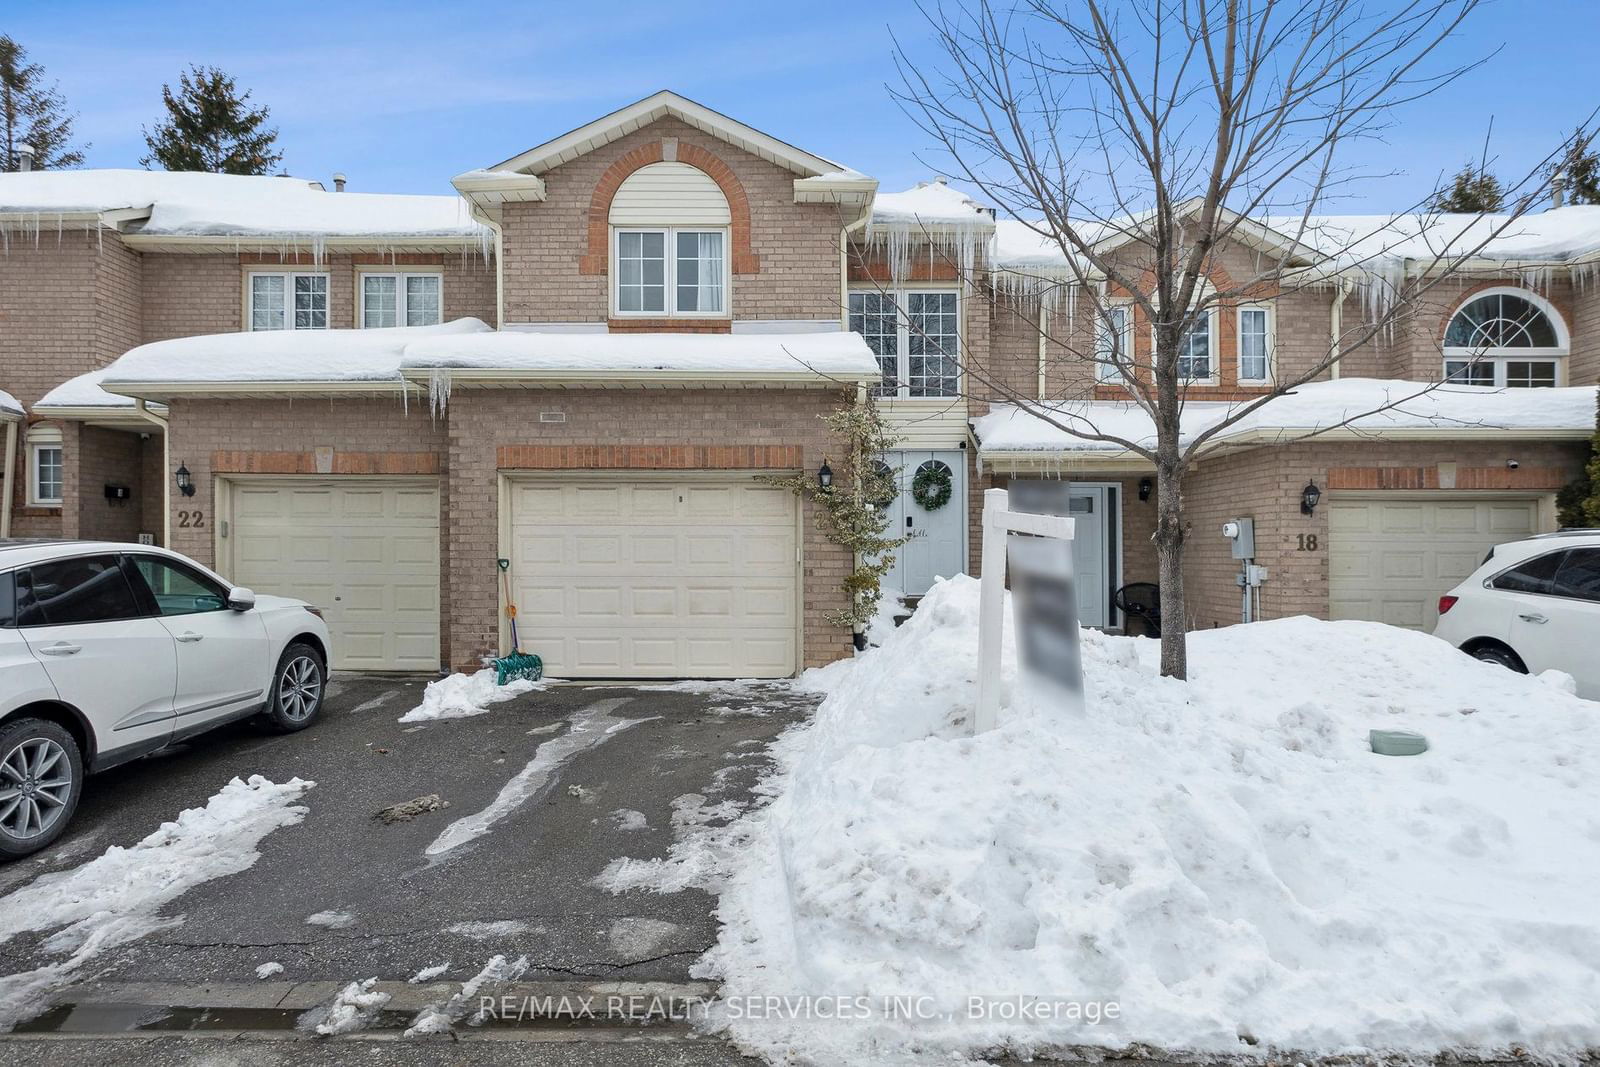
<point>1223,859</point>
<point>1318,405</point>
<point>200,204</point>
<point>118,897</point>
<point>456,696</point>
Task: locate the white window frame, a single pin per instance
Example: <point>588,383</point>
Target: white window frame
<point>670,249</point>
<point>1211,350</point>
<point>288,277</point>
<point>1110,373</point>
<point>1271,343</point>
<point>40,441</point>
<point>1498,358</point>
<point>902,321</point>
<point>401,277</point>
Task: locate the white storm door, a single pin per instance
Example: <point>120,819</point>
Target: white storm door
<point>656,578</point>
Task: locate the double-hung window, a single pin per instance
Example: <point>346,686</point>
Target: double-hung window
<point>1255,344</point>
<point>916,336</point>
<point>44,467</point>
<point>400,300</point>
<point>671,272</point>
<point>1195,363</point>
<point>288,301</point>
<point>1113,344</point>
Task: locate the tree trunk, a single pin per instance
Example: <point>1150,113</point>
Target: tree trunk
<point>1169,553</point>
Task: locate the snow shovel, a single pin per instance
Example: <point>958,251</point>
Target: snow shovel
<point>518,665</point>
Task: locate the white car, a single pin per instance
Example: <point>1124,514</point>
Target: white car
<point>1532,606</point>
<point>110,651</point>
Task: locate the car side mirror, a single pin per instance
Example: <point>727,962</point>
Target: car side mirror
<point>241,599</point>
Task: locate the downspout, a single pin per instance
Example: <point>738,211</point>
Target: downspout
<point>844,267</point>
<point>499,275</point>
<point>166,469</point>
<point>1044,333</point>
<point>10,475</point>
<point>1336,329</point>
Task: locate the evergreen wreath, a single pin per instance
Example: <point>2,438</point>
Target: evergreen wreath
<point>931,486</point>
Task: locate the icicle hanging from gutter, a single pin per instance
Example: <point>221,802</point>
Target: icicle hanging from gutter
<point>438,391</point>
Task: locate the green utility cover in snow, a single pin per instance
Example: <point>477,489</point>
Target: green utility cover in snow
<point>1397,742</point>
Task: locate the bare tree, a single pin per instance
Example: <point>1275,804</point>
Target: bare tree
<point>1143,139</point>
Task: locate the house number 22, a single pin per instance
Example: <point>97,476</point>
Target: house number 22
<point>1308,542</point>
<point>191,520</point>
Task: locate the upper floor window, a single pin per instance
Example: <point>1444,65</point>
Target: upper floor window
<point>400,300</point>
<point>1113,347</point>
<point>1255,344</point>
<point>1508,338</point>
<point>288,301</point>
<point>1195,363</point>
<point>916,336</point>
<point>671,271</point>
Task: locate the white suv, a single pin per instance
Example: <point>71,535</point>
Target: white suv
<point>109,651</point>
<point>1532,606</point>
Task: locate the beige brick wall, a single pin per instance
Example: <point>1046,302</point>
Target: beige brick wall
<point>797,244</point>
<point>93,458</point>
<point>482,421</point>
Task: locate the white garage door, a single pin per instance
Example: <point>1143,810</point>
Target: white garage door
<point>365,552</point>
<point>670,578</point>
<point>1390,560</point>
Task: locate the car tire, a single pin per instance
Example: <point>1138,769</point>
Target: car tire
<point>41,779</point>
<point>1501,655</point>
<point>298,686</point>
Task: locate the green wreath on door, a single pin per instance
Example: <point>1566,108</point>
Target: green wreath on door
<point>932,485</point>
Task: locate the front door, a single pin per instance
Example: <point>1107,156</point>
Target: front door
<point>1087,505</point>
<point>938,544</point>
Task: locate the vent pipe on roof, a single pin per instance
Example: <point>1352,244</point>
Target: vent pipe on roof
<point>24,157</point>
<point>1558,189</point>
<point>338,182</point>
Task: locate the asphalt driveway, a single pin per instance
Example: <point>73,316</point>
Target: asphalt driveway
<point>523,886</point>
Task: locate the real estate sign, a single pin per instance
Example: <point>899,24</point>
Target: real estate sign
<point>1044,598</point>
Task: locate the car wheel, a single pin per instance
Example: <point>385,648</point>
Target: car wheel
<point>41,779</point>
<point>298,686</point>
<point>1501,655</point>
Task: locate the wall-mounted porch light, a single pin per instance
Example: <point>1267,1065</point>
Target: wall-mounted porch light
<point>1309,496</point>
<point>1144,488</point>
<point>185,482</point>
<point>825,476</point>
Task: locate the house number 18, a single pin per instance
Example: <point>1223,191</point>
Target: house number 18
<point>1308,542</point>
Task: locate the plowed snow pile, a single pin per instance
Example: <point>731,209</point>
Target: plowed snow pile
<point>1223,859</point>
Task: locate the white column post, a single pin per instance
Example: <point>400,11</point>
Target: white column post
<point>991,608</point>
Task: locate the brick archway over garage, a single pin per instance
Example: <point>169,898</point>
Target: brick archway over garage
<point>595,259</point>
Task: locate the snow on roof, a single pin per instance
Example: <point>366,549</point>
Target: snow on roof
<point>202,204</point>
<point>834,354</point>
<point>932,204</point>
<point>1317,406</point>
<point>279,355</point>
<point>10,408</point>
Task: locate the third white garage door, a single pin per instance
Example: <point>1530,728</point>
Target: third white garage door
<point>676,577</point>
<point>1389,560</point>
<point>364,550</point>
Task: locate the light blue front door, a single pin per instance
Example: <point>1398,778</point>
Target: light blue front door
<point>938,545</point>
<point>1088,508</point>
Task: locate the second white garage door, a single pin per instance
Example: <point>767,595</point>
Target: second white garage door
<point>1389,560</point>
<point>687,577</point>
<point>365,551</point>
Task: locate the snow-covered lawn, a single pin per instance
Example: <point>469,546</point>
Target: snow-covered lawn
<point>1224,860</point>
<point>118,897</point>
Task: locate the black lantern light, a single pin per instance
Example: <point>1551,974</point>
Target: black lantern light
<point>1144,488</point>
<point>1309,496</point>
<point>825,476</point>
<point>185,483</point>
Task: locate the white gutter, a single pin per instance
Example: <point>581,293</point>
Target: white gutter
<point>166,470</point>
<point>10,473</point>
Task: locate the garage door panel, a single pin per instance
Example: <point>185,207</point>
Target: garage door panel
<point>367,555</point>
<point>1390,561</point>
<point>657,579</point>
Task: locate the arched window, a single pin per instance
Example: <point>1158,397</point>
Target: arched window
<point>669,227</point>
<point>1505,338</point>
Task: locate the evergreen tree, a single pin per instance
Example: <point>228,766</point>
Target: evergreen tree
<point>1581,169</point>
<point>32,113</point>
<point>1474,191</point>
<point>1578,502</point>
<point>210,126</point>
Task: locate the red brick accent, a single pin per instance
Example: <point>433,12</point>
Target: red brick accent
<point>595,259</point>
<point>343,463</point>
<point>669,325</point>
<point>1531,478</point>
<point>876,269</point>
<point>648,457</point>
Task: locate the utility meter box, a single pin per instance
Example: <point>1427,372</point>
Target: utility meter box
<point>1241,535</point>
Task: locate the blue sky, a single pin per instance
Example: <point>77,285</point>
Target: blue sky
<point>402,95</point>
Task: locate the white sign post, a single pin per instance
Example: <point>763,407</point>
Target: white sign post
<point>999,523</point>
